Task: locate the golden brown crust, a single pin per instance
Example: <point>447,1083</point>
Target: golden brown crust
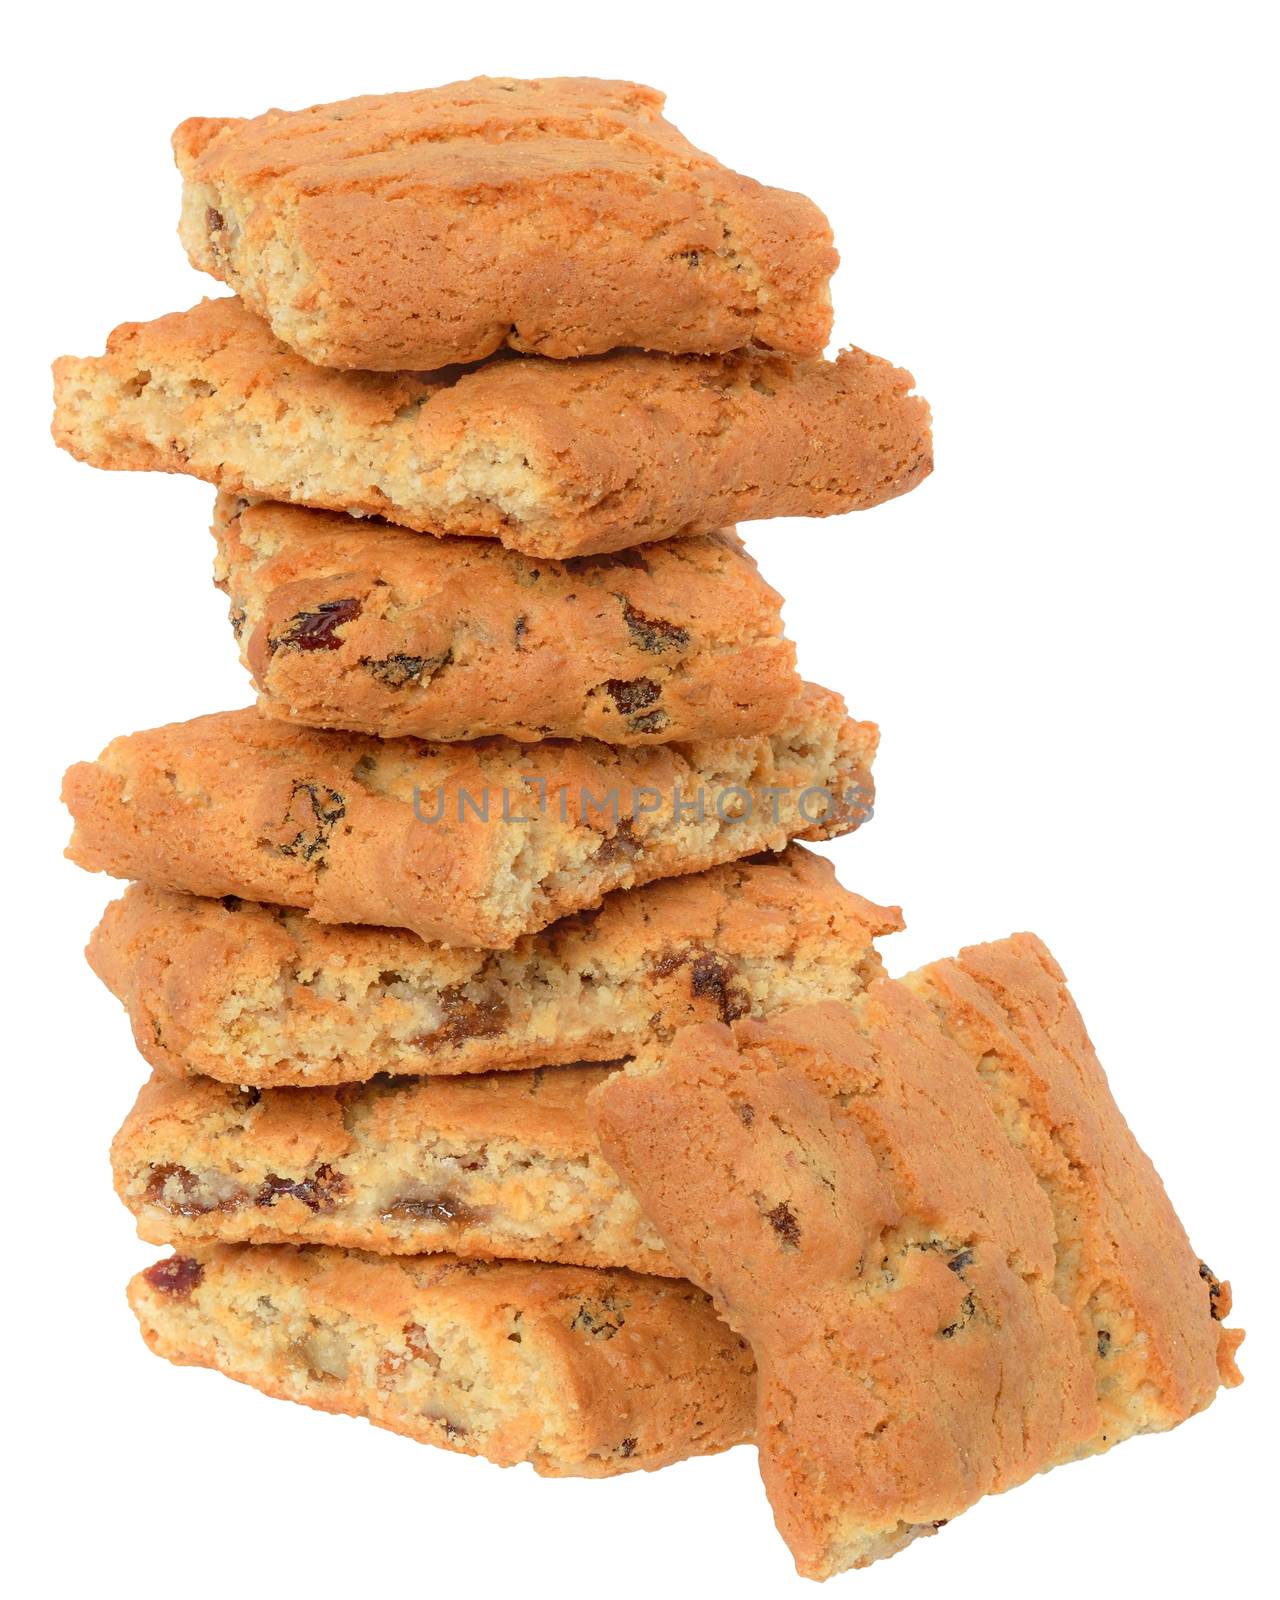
<point>348,625</point>
<point>555,459</point>
<point>487,1166</point>
<point>1149,1312</point>
<point>928,1216</point>
<point>254,995</point>
<point>578,1371</point>
<point>469,844</point>
<point>358,229</point>
<point>839,1182</point>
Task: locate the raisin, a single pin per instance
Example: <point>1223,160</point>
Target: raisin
<point>172,1188</point>
<point>967,1309</point>
<point>436,1208</point>
<point>783,1222</point>
<point>465,1018</point>
<point>632,694</point>
<point>1104,1342</point>
<point>714,979</point>
<point>653,634</point>
<point>601,1320</point>
<point>232,902</point>
<point>520,629</point>
<point>1215,1292</point>
<point>668,962</point>
<point>627,1447</point>
<point>621,845</point>
<point>215,226</point>
<point>176,1275</point>
<point>236,617</point>
<point>960,1262</point>
<point>318,629</point>
<point>313,811</point>
<point>320,1192</point>
<point>398,671</point>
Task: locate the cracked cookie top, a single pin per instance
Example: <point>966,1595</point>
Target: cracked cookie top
<point>855,1188</point>
<point>559,216</point>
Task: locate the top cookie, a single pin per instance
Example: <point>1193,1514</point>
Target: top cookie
<point>562,216</point>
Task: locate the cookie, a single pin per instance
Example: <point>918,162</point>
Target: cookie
<point>250,994</point>
<point>562,216</point>
<point>352,625</point>
<point>468,844</point>
<point>505,1165</point>
<point>580,1372</point>
<point>886,1209</point>
<point>553,458</point>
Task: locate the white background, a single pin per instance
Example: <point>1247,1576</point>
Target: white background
<point>1054,215</point>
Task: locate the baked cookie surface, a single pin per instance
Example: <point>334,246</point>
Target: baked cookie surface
<point>873,1206</point>
<point>350,625</point>
<point>555,459</point>
<point>562,216</point>
<point>468,844</point>
<point>259,995</point>
<point>1150,1314</point>
<point>580,1372</point>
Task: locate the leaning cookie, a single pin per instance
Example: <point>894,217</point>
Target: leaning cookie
<point>580,1372</point>
<point>563,216</point>
<point>468,844</point>
<point>351,625</point>
<point>954,1264</point>
<point>503,1166</point>
<point>251,994</point>
<point>554,459</point>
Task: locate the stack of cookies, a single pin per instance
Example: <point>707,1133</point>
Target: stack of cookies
<point>521,800</point>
